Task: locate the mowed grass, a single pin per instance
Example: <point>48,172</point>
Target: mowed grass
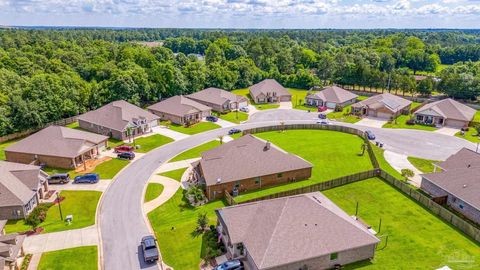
<point>81,204</point>
<point>106,170</point>
<point>196,151</point>
<point>267,106</point>
<point>193,129</point>
<point>333,154</point>
<point>423,165</point>
<point>383,163</point>
<point>151,142</point>
<point>401,121</point>
<point>234,117</point>
<point>81,258</point>
<point>246,93</point>
<point>153,191</point>
<point>5,145</point>
<point>470,135</point>
<point>174,224</point>
<point>344,116</point>
<point>298,99</point>
<point>175,174</point>
<point>416,238</point>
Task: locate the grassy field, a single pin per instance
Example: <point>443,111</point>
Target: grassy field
<point>333,154</point>
<point>471,135</point>
<point>195,152</point>
<point>267,106</point>
<point>194,129</point>
<point>174,224</point>
<point>106,170</point>
<point>416,238</point>
<point>5,145</point>
<point>298,99</point>
<point>401,121</point>
<point>81,204</point>
<point>383,163</point>
<point>153,191</point>
<point>175,174</point>
<point>344,116</point>
<point>151,142</point>
<point>234,117</point>
<point>246,93</point>
<point>80,258</point>
<point>423,165</point>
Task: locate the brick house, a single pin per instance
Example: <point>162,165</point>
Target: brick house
<point>57,147</point>
<point>458,184</point>
<point>331,97</point>
<point>247,163</point>
<point>119,119</point>
<point>219,100</point>
<point>445,112</point>
<point>180,110</point>
<point>386,106</point>
<point>305,231</point>
<point>269,91</point>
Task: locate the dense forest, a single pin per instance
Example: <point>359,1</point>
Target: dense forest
<point>49,74</point>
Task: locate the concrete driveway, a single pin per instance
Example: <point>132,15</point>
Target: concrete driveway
<point>102,185</point>
<point>224,123</point>
<point>372,122</point>
<point>449,131</point>
<point>399,162</point>
<point>162,130</point>
<point>286,105</point>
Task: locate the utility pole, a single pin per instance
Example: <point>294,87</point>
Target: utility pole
<point>59,207</point>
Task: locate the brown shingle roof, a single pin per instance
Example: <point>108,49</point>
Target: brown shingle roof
<point>245,158</point>
<point>449,109</point>
<point>391,102</point>
<point>462,159</point>
<point>216,96</point>
<point>18,182</point>
<point>179,106</point>
<point>117,115</point>
<point>292,229</point>
<point>57,141</point>
<point>333,94</point>
<point>268,86</point>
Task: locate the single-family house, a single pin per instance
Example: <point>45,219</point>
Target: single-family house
<point>180,110</point>
<point>247,163</point>
<point>385,106</point>
<point>305,231</point>
<point>269,91</point>
<point>331,97</point>
<point>445,112</point>
<point>21,188</point>
<point>458,184</point>
<point>219,100</point>
<point>11,249</point>
<point>57,147</point>
<point>119,119</point>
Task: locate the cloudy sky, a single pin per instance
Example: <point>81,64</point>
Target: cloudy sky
<point>244,13</point>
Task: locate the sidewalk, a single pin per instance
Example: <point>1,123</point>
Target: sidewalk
<point>61,240</point>
<point>166,167</point>
<point>399,162</point>
<point>224,123</point>
<point>162,130</point>
<point>170,187</point>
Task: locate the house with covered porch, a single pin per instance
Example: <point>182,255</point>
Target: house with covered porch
<point>180,110</point>
<point>331,97</point>
<point>445,112</point>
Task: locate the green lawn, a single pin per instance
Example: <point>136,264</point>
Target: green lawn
<point>195,152</point>
<point>194,129</point>
<point>383,163</point>
<point>175,174</point>
<point>471,135</point>
<point>153,191</point>
<point>344,116</point>
<point>401,121</point>
<point>174,224</point>
<point>333,154</point>
<point>423,165</point>
<point>73,125</point>
<point>106,170</point>
<point>234,117</point>
<point>151,142</point>
<point>5,145</point>
<point>266,106</point>
<point>476,118</point>
<point>81,258</point>
<point>298,99</point>
<point>416,238</point>
<point>81,204</point>
<point>246,93</point>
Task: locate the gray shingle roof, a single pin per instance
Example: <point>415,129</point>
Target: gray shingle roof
<point>216,96</point>
<point>179,106</point>
<point>270,86</point>
<point>57,141</point>
<point>449,109</point>
<point>292,229</point>
<point>333,94</point>
<point>17,183</point>
<point>391,102</point>
<point>117,115</point>
<point>245,158</point>
<point>11,243</point>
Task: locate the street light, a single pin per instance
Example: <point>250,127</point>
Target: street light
<point>59,206</point>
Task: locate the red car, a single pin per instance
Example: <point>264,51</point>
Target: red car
<point>123,149</point>
<point>322,109</point>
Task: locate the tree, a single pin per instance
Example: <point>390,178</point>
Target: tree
<point>425,87</point>
<point>202,221</point>
<point>407,173</point>
<point>214,54</point>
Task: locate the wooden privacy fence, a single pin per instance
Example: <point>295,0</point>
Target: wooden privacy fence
<point>229,199</point>
<point>61,122</point>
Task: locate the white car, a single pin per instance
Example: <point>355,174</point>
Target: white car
<point>323,122</point>
<point>244,109</point>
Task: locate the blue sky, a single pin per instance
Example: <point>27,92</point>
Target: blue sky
<point>244,13</point>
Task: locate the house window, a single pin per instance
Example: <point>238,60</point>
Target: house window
<point>461,206</point>
<point>237,184</point>
<point>333,256</point>
<point>454,199</point>
<point>279,175</point>
<point>258,181</point>
<point>419,117</point>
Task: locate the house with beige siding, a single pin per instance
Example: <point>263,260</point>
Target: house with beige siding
<point>57,147</point>
<point>219,100</point>
<point>269,91</point>
<point>119,119</point>
<point>180,110</point>
<point>247,163</point>
<point>445,112</point>
<point>11,249</point>
<point>331,97</point>
<point>305,231</point>
<point>386,106</point>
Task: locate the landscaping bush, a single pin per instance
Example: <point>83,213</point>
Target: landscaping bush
<point>410,122</point>
<point>202,221</point>
<point>26,262</point>
<point>212,247</point>
<point>38,215</point>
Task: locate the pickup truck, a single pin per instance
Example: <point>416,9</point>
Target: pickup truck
<point>150,249</point>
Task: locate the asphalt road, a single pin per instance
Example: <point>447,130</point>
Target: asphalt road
<point>120,215</point>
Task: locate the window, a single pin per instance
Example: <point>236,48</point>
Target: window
<point>279,175</point>
<point>333,256</point>
<point>461,206</point>
<point>258,181</point>
<point>419,117</point>
<point>237,184</point>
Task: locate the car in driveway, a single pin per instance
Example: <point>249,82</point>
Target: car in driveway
<point>370,135</point>
<point>244,109</point>
<point>230,265</point>
<point>322,116</point>
<point>126,155</point>
<point>150,249</point>
<point>322,109</point>
<point>59,178</point>
<point>212,118</point>
<point>234,131</point>
<point>89,178</point>
<point>123,149</point>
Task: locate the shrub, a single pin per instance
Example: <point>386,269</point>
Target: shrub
<point>38,215</point>
<point>407,173</point>
<point>410,122</point>
<point>202,221</point>
<point>26,262</point>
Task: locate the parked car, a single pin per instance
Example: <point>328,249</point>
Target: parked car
<point>123,149</point>
<point>234,131</point>
<point>126,155</point>
<point>230,265</point>
<point>323,122</point>
<point>370,135</point>
<point>59,178</point>
<point>244,109</point>
<point>322,109</point>
<point>89,178</point>
<point>150,249</point>
<point>322,116</point>
<point>212,118</point>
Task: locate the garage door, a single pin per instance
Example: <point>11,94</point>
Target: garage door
<point>384,115</point>
<point>331,105</point>
<point>455,123</point>
<point>242,104</point>
<point>285,98</point>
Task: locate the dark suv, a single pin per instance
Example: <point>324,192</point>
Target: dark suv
<point>149,248</point>
<point>212,118</point>
<point>126,155</point>
<point>89,178</point>
<point>59,178</point>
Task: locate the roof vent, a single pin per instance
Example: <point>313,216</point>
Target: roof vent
<point>267,146</point>
<point>464,186</point>
<point>469,165</point>
<point>219,180</point>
